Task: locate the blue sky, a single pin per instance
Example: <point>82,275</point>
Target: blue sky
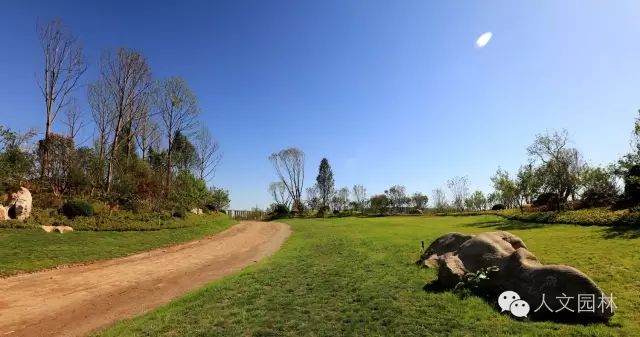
<point>391,92</point>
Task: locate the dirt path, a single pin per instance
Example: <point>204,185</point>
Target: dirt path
<point>77,300</point>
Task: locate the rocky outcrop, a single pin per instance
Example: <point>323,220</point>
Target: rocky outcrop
<point>555,290</point>
<point>20,204</point>
<point>197,211</point>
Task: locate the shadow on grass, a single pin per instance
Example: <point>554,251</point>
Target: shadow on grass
<point>491,299</point>
<point>622,232</point>
<point>509,225</point>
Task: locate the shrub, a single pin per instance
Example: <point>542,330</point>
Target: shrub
<point>593,198</point>
<point>547,199</point>
<point>279,211</point>
<point>180,213</point>
<point>497,207</point>
<point>74,208</point>
<point>415,211</point>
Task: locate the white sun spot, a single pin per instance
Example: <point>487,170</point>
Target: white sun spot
<point>483,40</point>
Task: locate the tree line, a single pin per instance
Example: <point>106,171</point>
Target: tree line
<point>324,198</point>
<point>147,150</point>
<point>555,177</point>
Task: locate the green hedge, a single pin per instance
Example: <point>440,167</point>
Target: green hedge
<point>116,221</point>
<point>591,216</point>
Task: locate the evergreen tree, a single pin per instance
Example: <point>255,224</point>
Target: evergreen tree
<point>325,183</point>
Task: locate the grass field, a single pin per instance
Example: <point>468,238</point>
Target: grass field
<point>24,250</point>
<point>356,277</point>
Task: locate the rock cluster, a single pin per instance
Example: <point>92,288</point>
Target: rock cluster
<point>456,254</point>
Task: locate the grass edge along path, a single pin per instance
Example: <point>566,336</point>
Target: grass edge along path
<point>30,250</point>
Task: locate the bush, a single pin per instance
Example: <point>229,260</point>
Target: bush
<point>592,198</point>
<point>279,211</point>
<point>547,199</point>
<point>592,216</point>
<point>415,211</point>
<point>74,208</point>
<point>497,207</point>
<point>180,213</point>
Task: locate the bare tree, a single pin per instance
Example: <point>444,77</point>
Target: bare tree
<point>439,199</point>
<point>278,191</point>
<point>459,187</point>
<point>128,79</point>
<point>289,165</point>
<point>208,150</point>
<point>102,108</point>
<point>360,196</point>
<point>147,135</point>
<point>63,67</point>
<point>178,108</point>
<point>73,119</point>
<point>340,199</point>
<point>313,197</point>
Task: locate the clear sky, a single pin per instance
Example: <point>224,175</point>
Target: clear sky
<point>391,92</point>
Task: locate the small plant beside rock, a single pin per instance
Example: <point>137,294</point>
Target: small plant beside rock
<point>475,283</point>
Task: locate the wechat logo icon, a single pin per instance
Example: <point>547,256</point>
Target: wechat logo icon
<point>510,301</point>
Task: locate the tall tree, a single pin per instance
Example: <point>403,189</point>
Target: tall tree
<point>397,195</point>
<point>127,76</point>
<point>178,109</point>
<point>63,66</point>
<point>73,119</point>
<point>208,150</point>
<point>184,153</point>
<point>459,187</point>
<point>325,183</point>
<point>289,165</point>
<point>278,191</point>
<point>439,199</point>
<point>360,196</point>
<point>560,165</point>
<point>419,200</point>
<point>102,108</point>
<point>506,189</point>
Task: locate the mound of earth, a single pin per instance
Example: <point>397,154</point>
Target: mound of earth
<point>558,292</point>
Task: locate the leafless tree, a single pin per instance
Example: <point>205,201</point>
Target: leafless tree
<point>439,199</point>
<point>208,150</point>
<point>128,79</point>
<point>360,196</point>
<point>178,109</point>
<point>340,199</point>
<point>102,108</point>
<point>73,119</point>
<point>147,135</point>
<point>278,191</point>
<point>459,187</point>
<point>289,165</point>
<point>63,66</point>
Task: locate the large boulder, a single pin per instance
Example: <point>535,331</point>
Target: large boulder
<point>558,292</point>
<point>20,204</point>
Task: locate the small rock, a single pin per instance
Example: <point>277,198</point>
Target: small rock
<point>59,229</point>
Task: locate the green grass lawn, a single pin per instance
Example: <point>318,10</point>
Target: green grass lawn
<point>24,250</point>
<point>356,277</point>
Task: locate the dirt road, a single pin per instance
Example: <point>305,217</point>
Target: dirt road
<point>77,300</point>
